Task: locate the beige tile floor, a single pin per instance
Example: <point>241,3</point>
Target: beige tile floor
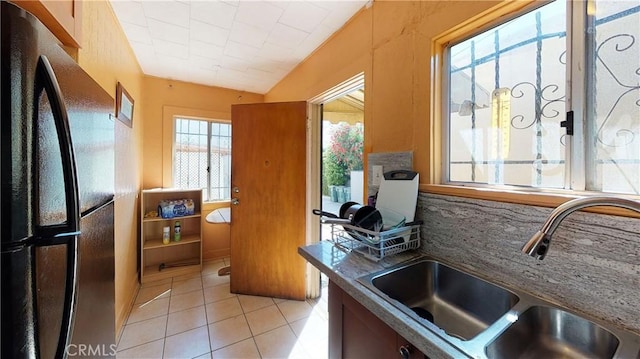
<point>196,316</point>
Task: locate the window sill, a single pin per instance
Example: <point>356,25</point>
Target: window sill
<point>519,196</point>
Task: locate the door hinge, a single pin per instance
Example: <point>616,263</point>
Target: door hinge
<point>568,123</point>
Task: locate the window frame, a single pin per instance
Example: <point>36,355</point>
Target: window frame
<point>498,15</point>
<point>575,101</point>
<point>210,122</point>
<point>579,169</point>
<point>576,166</point>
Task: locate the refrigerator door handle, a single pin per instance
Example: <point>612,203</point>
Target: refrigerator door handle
<point>67,232</point>
<point>46,80</point>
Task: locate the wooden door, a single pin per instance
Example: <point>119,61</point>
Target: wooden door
<point>268,221</point>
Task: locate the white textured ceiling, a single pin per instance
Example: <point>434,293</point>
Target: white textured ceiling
<point>243,45</point>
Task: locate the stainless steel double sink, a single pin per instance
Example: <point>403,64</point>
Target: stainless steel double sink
<point>485,320</point>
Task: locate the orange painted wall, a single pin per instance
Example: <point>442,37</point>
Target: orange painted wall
<point>160,93</point>
<point>216,236</point>
<point>106,56</point>
<point>391,43</point>
<point>164,98</point>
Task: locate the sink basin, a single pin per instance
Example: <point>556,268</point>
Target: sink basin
<point>545,332</point>
<point>460,304</point>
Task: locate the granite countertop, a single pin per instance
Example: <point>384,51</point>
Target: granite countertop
<point>344,268</point>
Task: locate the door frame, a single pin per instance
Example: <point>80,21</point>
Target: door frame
<point>314,161</point>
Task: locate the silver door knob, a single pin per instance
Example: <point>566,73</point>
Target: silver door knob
<point>235,201</point>
<point>405,352</point>
<point>236,190</point>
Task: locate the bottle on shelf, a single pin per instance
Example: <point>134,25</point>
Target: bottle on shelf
<point>166,235</point>
<point>176,231</point>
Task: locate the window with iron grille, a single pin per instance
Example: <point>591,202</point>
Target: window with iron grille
<point>549,99</point>
<point>202,157</point>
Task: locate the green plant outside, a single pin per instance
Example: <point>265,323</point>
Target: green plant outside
<point>335,172</point>
<point>343,156</point>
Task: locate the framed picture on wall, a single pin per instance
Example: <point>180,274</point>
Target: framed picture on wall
<point>124,105</point>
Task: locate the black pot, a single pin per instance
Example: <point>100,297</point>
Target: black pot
<point>366,217</point>
<point>345,206</point>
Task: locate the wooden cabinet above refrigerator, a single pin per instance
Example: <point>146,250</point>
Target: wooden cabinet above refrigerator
<point>62,17</point>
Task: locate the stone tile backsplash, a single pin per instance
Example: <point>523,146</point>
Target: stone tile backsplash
<point>593,265</point>
<point>390,161</point>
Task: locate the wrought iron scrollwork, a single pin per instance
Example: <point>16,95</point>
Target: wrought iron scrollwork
<point>622,43</point>
<point>519,121</point>
<point>612,115</point>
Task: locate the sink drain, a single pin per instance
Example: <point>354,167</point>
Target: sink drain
<point>423,313</point>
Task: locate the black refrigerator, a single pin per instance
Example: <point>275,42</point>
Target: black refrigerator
<point>57,219</point>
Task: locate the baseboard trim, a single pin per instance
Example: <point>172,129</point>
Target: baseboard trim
<point>215,254</point>
<point>123,312</point>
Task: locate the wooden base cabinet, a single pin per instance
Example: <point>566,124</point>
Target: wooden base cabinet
<point>355,332</point>
<point>158,260</point>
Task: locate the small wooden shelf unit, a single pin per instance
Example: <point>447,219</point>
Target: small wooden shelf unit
<point>186,254</point>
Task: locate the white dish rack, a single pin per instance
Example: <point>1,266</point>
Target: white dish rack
<point>372,244</point>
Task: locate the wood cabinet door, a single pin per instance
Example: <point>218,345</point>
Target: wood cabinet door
<point>364,335</point>
<point>355,332</point>
<point>268,178</point>
<point>62,17</point>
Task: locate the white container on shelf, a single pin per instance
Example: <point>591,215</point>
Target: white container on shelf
<point>166,239</point>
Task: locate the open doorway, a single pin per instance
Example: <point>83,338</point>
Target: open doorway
<point>342,149</point>
<point>342,168</point>
<point>349,110</point>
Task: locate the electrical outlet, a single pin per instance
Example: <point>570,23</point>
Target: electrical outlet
<point>377,175</point>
